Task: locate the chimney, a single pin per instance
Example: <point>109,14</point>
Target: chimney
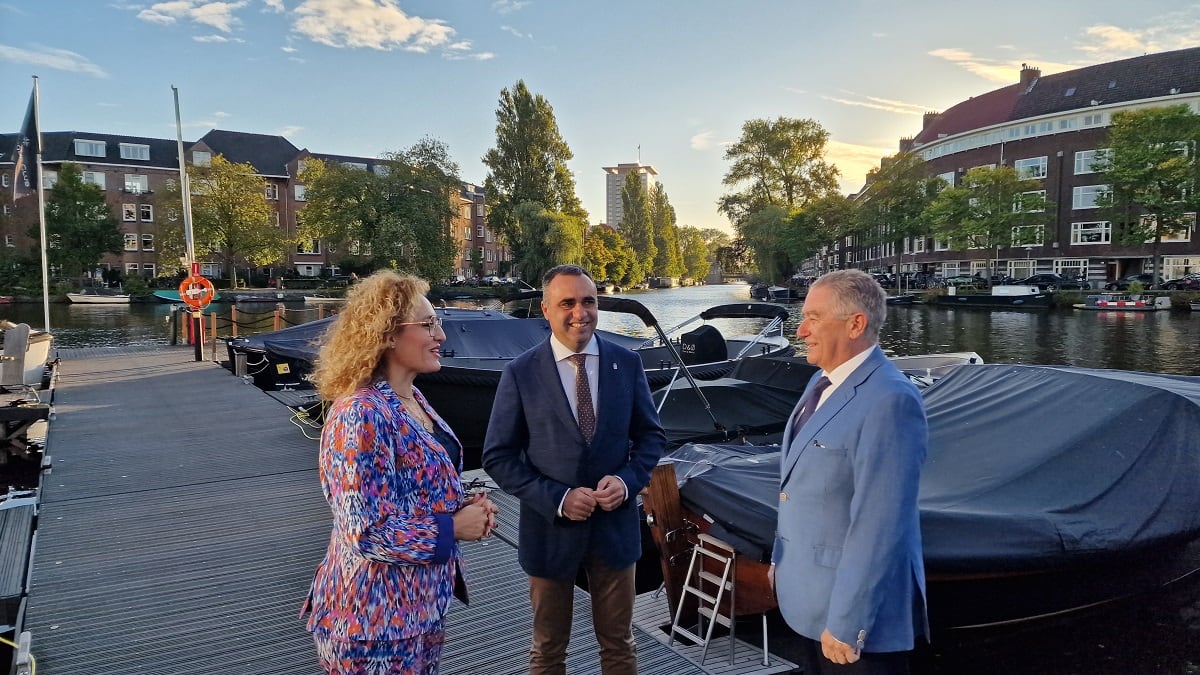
<point>929,118</point>
<point>1029,75</point>
<point>906,144</point>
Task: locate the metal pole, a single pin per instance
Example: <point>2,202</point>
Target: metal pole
<point>184,186</point>
<point>198,335</point>
<point>41,192</point>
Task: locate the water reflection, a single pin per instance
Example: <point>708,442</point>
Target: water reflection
<point>1163,342</point>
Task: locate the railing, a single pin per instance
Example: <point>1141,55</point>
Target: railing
<point>240,322</point>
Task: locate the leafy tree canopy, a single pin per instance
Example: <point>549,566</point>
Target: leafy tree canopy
<point>80,227</point>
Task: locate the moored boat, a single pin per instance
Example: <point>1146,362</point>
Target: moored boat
<point>1016,526</point>
<point>1113,302</point>
<point>322,300</point>
<point>168,296</point>
<point>91,296</point>
<point>1000,297</point>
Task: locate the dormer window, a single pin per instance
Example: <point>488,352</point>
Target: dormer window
<point>135,151</point>
<point>86,148</point>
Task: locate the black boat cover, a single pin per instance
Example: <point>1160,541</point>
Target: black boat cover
<point>1028,467</point>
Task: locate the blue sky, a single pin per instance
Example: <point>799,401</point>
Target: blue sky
<point>677,77</point>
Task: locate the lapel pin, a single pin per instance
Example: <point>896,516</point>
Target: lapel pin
<point>614,366</point>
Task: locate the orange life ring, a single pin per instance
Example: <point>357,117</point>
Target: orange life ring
<point>197,292</point>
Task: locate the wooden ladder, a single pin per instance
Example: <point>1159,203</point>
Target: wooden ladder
<point>709,589</point>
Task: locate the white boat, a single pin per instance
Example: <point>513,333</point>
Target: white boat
<point>1112,302</point>
<point>91,297</point>
<point>322,300</point>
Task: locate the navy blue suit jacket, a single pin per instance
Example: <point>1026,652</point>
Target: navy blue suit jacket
<point>535,451</point>
<point>848,543</point>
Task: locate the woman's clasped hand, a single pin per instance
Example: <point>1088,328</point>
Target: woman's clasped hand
<point>476,520</point>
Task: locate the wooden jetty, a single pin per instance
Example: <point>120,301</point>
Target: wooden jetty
<point>181,522</point>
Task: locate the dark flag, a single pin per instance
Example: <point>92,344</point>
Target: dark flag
<point>29,145</point>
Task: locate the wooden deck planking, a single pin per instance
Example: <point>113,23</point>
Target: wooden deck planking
<point>181,525</point>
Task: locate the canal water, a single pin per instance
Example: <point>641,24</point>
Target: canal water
<point>1162,342</point>
<point>1159,634</point>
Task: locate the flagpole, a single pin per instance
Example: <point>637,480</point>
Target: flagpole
<point>193,264</point>
<point>41,193</point>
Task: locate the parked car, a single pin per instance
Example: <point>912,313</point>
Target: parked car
<point>1188,282</point>
<point>1147,280</point>
<point>1048,281</point>
<point>964,281</point>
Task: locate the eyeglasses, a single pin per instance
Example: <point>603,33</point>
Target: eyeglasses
<point>430,324</point>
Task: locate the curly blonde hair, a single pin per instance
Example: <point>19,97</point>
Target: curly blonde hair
<point>352,348</point>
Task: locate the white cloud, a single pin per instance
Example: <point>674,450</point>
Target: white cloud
<point>1004,71</point>
<point>1176,30</point>
<point>218,15</point>
<point>514,31</point>
<point>854,161</point>
<point>876,103</point>
<point>702,141</point>
<point>375,24</point>
<point>297,59</point>
<point>289,50</point>
<point>49,57</point>
<point>289,131</point>
<point>508,6</point>
<point>275,5</point>
<point>795,90</point>
<point>215,38</point>
<point>126,6</point>
<point>477,56</point>
<point>13,9</point>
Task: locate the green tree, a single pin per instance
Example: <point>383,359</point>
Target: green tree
<point>668,260</point>
<point>778,162</point>
<point>401,213</point>
<point>714,239</point>
<point>892,206</point>
<point>820,223</point>
<point>607,246</point>
<point>637,229</point>
<point>763,235</point>
<point>558,238</point>
<point>80,227</point>
<point>993,208</point>
<point>231,218</point>
<point>528,164</point>
<point>694,253</point>
<point>1153,169</point>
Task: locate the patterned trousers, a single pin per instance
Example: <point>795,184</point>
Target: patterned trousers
<point>418,655</point>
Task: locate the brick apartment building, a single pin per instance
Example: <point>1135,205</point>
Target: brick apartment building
<point>1050,128</point>
<point>134,172</point>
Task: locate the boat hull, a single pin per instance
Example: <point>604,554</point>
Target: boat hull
<point>90,299</point>
<point>1031,301</point>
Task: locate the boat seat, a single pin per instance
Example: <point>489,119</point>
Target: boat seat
<point>705,344</point>
<point>19,372</point>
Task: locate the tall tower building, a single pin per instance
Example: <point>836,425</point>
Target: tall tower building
<point>614,180</point>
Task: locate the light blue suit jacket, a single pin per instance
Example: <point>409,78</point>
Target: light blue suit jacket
<point>535,451</point>
<point>848,543</point>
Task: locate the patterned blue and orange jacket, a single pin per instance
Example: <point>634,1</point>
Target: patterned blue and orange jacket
<point>388,573</point>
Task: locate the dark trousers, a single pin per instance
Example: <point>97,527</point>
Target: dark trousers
<point>869,663</point>
<point>612,592</point>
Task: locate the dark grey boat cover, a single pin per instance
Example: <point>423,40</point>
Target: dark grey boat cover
<point>1028,466</point>
<point>481,334</point>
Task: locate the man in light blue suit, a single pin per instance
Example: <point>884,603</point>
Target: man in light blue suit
<point>847,563</point>
<point>574,435</point>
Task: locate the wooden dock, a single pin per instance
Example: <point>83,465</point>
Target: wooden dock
<point>182,520</point>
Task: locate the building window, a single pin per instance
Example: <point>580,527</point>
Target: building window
<point>131,269</point>
<point>201,158</point>
<point>361,166</point>
<point>1033,167</point>
<point>94,178</point>
<point>49,179</point>
<point>1033,201</point>
<point>1087,196</point>
<point>131,241</point>
<point>299,193</point>
<point>148,270</point>
<point>1071,267</point>
<point>381,169</point>
<point>1177,266</point>
<point>276,214</point>
<point>1029,235</point>
<point>137,183</point>
<point>1093,120</point>
<point>129,213</point>
<point>480,210</point>
<point>1045,127</point>
<point>1181,235</point>
<point>1020,269</point>
<point>1065,124</point>
<point>147,242</point>
<point>482,254</point>
<point>949,269</point>
<point>147,212</point>
<point>135,151</point>
<point>489,237</point>
<point>479,232</point>
<point>88,148</point>
<point>3,179</point>
<point>467,232</point>
<point>10,240</point>
<point>1096,232</point>
<point>301,166</point>
<point>1090,161</point>
<point>309,246</point>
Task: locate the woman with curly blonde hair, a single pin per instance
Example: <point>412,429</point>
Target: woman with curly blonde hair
<point>390,472</point>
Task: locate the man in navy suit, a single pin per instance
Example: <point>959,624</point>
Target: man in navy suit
<point>574,435</point>
<point>847,564</point>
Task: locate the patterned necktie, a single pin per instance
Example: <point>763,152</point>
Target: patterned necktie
<point>583,398</point>
<point>810,403</point>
